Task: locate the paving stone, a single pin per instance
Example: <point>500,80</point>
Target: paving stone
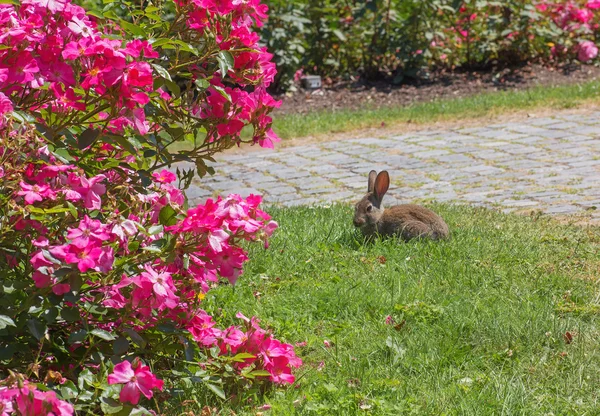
<point>542,121</point>
<point>285,198</point>
<point>242,191</point>
<point>291,174</point>
<point>520,203</point>
<point>562,209</point>
<point>312,183</point>
<point>482,169</point>
<point>279,189</point>
<point>195,192</point>
<point>546,163</point>
<point>430,154</point>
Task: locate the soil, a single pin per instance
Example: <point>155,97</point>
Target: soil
<point>358,94</point>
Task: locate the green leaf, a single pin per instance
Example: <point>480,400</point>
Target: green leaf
<point>135,337</point>
<point>120,346</point>
<point>131,28</point>
<point>6,321</point>
<point>160,42</point>
<point>201,84</point>
<point>87,138</point>
<point>156,229</point>
<point>162,72</point>
<point>101,333</point>
<point>185,46</point>
<point>242,357</point>
<point>85,378</point>
<point>37,328</point>
<point>259,373</point>
<point>50,315</point>
<point>70,314</point>
<point>43,211</point>
<point>46,132</point>
<point>139,411</point>
<point>133,246</point>
<point>340,35</point>
<point>167,216</point>
<point>68,390</point>
<point>7,352</point>
<point>226,62</point>
<point>64,155</point>
<point>94,13</point>
<point>77,336</point>
<point>110,406</point>
<point>217,390</point>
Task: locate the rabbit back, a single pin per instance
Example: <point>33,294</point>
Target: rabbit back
<point>410,221</point>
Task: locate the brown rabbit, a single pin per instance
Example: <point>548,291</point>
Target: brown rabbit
<point>405,221</point>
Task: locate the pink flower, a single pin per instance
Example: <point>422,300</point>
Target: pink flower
<point>327,344</point>
<point>86,257</point>
<point>27,400</point>
<point>53,5</point>
<point>299,73</point>
<point>35,193</point>
<point>587,51</point>
<point>88,229</point>
<point>5,104</point>
<point>135,380</point>
<point>389,320</point>
<point>593,4</point>
<point>280,370</point>
<point>90,189</point>
<point>164,176</point>
<point>162,284</point>
<point>201,327</point>
<point>583,15</point>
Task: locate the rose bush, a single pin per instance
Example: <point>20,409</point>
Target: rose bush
<point>104,267</point>
<point>394,39</point>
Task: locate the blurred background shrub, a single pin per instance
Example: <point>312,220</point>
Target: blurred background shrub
<point>396,40</point>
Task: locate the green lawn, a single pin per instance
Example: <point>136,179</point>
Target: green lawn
<point>481,105</point>
<point>480,320</point>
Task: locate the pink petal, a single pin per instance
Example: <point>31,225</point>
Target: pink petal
<point>122,373</point>
<point>130,393</point>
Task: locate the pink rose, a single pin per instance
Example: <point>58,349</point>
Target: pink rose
<point>587,51</point>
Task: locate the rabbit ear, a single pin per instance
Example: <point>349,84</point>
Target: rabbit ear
<point>372,176</point>
<point>382,183</point>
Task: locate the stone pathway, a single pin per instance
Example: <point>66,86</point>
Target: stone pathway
<point>550,164</point>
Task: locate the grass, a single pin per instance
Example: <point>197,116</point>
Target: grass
<point>481,105</point>
<point>480,321</point>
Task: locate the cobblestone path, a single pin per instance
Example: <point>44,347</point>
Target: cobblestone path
<point>550,164</point>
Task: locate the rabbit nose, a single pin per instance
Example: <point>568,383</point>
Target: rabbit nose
<point>358,223</point>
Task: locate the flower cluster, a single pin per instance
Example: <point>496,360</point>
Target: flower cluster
<point>106,267</point>
<point>252,65</point>
<point>574,19</point>
<point>55,58</point>
<point>140,256</point>
<point>136,380</point>
<point>23,398</point>
<point>58,60</point>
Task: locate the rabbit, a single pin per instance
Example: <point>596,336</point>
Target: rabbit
<point>405,221</point>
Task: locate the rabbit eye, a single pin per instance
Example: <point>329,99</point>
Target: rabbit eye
<point>370,208</point>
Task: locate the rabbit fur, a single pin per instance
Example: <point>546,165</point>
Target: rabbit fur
<point>406,221</point>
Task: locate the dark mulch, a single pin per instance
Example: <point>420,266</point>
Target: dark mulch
<point>440,85</point>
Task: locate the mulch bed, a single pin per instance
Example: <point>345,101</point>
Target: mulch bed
<point>440,85</point>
